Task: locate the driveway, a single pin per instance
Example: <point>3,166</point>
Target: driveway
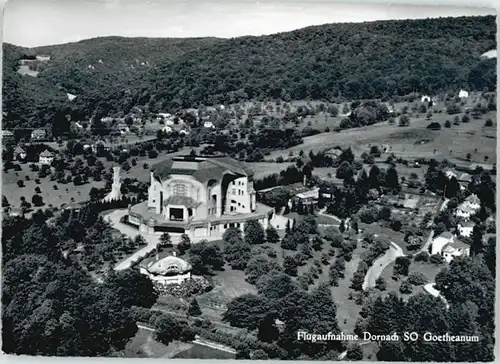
<point>380,263</point>
<point>152,240</point>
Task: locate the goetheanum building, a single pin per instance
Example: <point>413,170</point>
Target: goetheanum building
<point>199,196</point>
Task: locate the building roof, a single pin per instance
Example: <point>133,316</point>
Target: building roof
<point>454,246</point>
<point>446,235</point>
<point>467,224</point>
<point>169,265</point>
<point>314,193</point>
<point>473,199</point>
<point>39,131</point>
<point>18,150</point>
<point>465,177</point>
<point>46,153</point>
<point>201,168</point>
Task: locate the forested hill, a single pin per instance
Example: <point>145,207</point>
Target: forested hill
<point>350,61</point>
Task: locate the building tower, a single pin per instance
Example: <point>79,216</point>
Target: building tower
<point>115,193</point>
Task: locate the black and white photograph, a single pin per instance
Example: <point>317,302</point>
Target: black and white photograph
<point>255,180</point>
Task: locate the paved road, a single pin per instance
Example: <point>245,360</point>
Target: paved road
<point>114,219</point>
<point>380,263</point>
<point>323,213</point>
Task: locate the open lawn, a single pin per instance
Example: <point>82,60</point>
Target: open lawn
<point>428,269</point>
<point>347,310</point>
<point>227,285</point>
<point>143,345</point>
<point>414,141</point>
<point>263,169</point>
<point>64,194</point>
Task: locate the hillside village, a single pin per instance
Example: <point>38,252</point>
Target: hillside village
<point>347,215</point>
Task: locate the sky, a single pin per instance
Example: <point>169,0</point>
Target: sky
<point>42,22</point>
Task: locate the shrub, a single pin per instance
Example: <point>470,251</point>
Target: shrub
<point>417,279</point>
<point>422,257</point>
<point>488,122</point>
<point>436,259</point>
<point>434,126</point>
<point>406,287</point>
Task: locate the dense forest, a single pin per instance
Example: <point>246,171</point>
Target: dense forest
<point>331,62</point>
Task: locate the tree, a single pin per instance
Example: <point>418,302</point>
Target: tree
<point>380,284</point>
<point>392,179</point>
<point>344,171</point>
<point>355,353</point>
<point>5,202</point>
<point>259,354</point>
<point>254,232</point>
<point>246,311</point>
<point>194,308</point>
<point>477,240</point>
<point>268,332</point>
<point>402,266</point>
<point>184,244</point>
<point>165,240</point>
<point>205,258</point>
<point>259,266</point>
<point>272,236</point>
<point>237,252</point>
<point>290,265</point>
<point>37,200</point>
<point>168,329</point>
<point>132,288</point>
<point>452,187</point>
<point>404,120</point>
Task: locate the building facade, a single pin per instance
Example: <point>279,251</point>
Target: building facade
<point>199,196</point>
<point>166,271</point>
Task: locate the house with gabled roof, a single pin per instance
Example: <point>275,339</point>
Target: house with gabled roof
<point>456,248</point>
<point>465,228</point>
<point>46,157</point>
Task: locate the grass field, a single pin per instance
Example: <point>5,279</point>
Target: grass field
<point>227,285</point>
<point>64,194</point>
<point>452,143</point>
<point>347,310</point>
<point>143,345</point>
<point>428,269</point>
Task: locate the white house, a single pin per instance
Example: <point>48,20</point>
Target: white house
<point>71,97</point>
<point>448,246</point>
<point>469,207</point>
<point>19,153</point>
<point>455,249</point>
<point>169,270</point>
<point>449,174</point>
<point>167,129</point>
<point>46,158</point>
<point>440,242</point>
<point>208,124</point>
<point>465,228</point>
<point>184,131</point>
<point>425,98</point>
<point>463,94</point>
<point>43,58</point>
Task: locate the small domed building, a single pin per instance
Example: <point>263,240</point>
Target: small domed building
<point>168,270</point>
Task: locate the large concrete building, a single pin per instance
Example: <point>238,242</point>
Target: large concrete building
<point>199,196</point>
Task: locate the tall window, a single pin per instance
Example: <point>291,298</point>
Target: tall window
<point>179,190</point>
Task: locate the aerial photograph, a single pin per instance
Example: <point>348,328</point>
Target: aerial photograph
<point>235,179</point>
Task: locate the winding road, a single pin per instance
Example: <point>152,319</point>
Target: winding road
<point>380,263</point>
